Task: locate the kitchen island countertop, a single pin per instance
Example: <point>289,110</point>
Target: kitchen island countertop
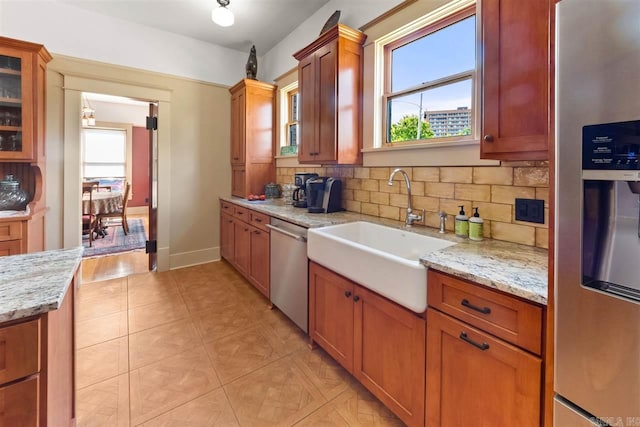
<point>36,283</point>
<point>512,268</point>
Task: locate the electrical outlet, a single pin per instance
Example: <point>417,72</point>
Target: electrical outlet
<point>530,210</point>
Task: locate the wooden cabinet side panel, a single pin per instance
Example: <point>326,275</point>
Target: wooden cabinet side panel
<point>349,96</point>
<point>499,386</point>
<point>57,406</point>
<point>19,404</point>
<point>259,125</point>
<point>389,357</point>
<point>331,313</point>
<point>516,65</point>
<point>35,232</point>
<point>308,122</point>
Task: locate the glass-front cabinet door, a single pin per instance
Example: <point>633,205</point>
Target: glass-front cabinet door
<point>16,104</point>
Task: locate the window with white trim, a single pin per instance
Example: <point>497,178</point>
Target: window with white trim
<point>289,116</point>
<point>104,153</point>
<point>429,79</point>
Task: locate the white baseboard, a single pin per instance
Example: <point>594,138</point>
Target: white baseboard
<point>187,259</point>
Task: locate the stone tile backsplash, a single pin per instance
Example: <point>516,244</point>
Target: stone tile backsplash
<point>493,189</point>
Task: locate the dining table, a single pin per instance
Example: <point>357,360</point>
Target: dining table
<point>102,202</point>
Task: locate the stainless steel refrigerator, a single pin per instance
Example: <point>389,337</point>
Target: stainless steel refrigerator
<point>597,258</point>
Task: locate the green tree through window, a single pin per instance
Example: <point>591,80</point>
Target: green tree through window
<point>406,129</point>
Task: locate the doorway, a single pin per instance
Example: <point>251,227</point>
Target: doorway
<point>74,87</point>
<point>116,185</point>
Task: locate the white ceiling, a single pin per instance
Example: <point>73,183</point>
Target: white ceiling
<point>262,23</point>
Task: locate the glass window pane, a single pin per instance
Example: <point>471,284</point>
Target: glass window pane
<point>105,145</point>
<point>445,52</point>
<point>445,111</point>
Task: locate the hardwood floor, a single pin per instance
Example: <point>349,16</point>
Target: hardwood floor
<point>199,346</point>
<point>117,265</point>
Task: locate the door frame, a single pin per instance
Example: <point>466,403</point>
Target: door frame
<point>73,88</point>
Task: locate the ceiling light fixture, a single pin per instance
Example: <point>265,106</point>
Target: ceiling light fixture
<point>88,119</point>
<point>221,15</point>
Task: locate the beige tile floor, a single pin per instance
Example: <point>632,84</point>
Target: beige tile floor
<point>200,347</point>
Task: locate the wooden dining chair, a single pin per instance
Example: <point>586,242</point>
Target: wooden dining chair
<point>89,219</point>
<point>121,212</point>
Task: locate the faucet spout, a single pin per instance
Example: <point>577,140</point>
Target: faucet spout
<point>411,217</point>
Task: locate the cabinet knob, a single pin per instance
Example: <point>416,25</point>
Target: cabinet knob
<point>356,298</point>
<point>347,294</point>
<point>488,138</point>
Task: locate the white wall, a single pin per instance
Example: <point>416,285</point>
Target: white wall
<point>75,32</point>
<point>353,13</point>
<point>120,113</point>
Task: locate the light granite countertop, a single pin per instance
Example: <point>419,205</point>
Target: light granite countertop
<point>516,269</point>
<point>36,283</point>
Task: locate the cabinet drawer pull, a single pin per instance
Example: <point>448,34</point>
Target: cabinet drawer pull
<point>257,220</point>
<point>356,298</point>
<point>256,232</point>
<point>483,310</point>
<point>484,346</point>
<point>488,138</point>
<point>347,294</point>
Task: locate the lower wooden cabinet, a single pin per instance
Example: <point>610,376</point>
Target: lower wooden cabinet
<point>37,368</point>
<point>21,236</point>
<point>331,313</point>
<point>226,236</point>
<point>246,246</point>
<point>259,270</point>
<point>19,403</point>
<point>242,246</point>
<point>475,379</point>
<point>381,343</point>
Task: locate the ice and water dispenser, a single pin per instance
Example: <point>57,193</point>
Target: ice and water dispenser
<point>611,208</point>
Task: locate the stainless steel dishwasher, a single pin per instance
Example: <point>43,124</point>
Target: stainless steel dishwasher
<point>289,291</point>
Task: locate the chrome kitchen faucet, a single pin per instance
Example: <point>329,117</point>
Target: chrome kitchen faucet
<point>411,217</point>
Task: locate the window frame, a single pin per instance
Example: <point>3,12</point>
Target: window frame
<point>291,120</point>
<point>471,74</point>
<point>122,127</point>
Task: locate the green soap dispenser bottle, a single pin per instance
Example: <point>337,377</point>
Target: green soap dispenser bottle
<point>462,223</point>
<point>476,225</point>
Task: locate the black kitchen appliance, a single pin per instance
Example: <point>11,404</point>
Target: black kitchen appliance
<point>324,195</point>
<point>299,194</point>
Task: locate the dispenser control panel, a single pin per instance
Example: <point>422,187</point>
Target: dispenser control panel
<point>611,146</point>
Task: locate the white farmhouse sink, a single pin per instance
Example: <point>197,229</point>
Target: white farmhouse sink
<point>383,259</point>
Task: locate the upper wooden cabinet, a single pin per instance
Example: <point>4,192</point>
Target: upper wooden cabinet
<point>22,103</point>
<point>23,68</point>
<point>330,88</point>
<point>517,66</point>
<point>252,116</point>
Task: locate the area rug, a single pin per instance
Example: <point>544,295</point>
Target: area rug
<point>115,241</point>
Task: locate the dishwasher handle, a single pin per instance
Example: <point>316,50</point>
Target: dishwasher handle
<point>287,233</point>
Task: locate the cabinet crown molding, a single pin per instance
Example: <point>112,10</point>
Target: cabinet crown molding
<point>339,30</point>
<point>252,83</point>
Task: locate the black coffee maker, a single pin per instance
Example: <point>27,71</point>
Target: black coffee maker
<point>299,194</point>
<point>324,195</point>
